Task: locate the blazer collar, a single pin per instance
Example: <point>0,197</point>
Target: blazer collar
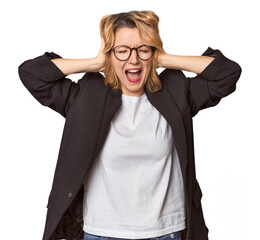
<point>166,105</point>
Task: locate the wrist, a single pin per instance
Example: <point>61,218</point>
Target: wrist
<point>162,60</point>
<point>93,64</point>
<point>100,63</point>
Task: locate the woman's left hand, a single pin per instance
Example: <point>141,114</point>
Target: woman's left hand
<point>159,60</point>
<point>194,64</point>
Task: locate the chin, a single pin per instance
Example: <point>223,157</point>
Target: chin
<point>134,90</point>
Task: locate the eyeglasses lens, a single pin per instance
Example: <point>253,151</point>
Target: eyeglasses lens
<point>143,52</point>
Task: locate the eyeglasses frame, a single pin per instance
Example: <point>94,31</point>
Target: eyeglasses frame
<point>131,49</point>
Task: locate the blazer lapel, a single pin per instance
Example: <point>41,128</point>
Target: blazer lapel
<point>111,105</point>
<point>166,105</point>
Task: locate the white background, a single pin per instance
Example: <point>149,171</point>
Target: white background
<point>226,136</point>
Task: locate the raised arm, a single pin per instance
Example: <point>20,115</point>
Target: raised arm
<point>216,77</point>
<point>70,66</point>
<point>194,64</point>
<point>45,78</point>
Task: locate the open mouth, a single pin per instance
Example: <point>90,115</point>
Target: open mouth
<point>133,75</point>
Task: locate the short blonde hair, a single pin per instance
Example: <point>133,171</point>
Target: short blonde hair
<point>146,23</point>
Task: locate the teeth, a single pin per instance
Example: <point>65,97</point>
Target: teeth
<point>133,71</point>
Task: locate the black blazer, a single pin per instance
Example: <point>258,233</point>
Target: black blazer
<point>89,107</point>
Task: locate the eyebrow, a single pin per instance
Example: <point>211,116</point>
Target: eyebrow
<point>129,45</point>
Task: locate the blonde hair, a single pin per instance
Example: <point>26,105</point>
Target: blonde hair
<point>146,23</point>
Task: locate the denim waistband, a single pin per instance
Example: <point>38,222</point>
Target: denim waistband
<point>173,235</point>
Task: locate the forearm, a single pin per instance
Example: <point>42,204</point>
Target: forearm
<point>194,64</point>
<point>70,66</point>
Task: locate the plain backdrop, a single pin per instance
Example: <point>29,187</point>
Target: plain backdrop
<point>226,136</point>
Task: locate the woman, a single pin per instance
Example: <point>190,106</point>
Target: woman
<point>126,163</point>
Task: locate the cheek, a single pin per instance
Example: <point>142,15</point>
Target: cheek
<point>117,66</point>
<point>148,67</point>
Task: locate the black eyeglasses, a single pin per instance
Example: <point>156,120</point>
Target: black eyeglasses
<point>123,52</point>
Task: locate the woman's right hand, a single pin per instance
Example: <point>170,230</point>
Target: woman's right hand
<point>70,66</point>
<point>101,57</point>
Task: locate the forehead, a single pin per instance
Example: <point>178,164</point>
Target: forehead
<point>127,36</point>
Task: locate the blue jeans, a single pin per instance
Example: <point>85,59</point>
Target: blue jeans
<point>170,236</point>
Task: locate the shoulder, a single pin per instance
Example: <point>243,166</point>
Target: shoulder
<point>91,86</point>
<point>176,84</point>
<point>92,80</point>
<point>93,76</point>
<point>174,80</point>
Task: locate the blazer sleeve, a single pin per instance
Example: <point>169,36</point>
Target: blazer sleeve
<point>47,83</point>
<point>216,81</point>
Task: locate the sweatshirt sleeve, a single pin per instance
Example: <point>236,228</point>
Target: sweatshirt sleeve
<point>47,83</point>
<point>216,81</point>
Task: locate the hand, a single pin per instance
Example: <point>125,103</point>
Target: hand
<point>101,57</point>
<point>194,64</point>
<point>159,59</point>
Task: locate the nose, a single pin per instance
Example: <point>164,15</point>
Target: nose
<point>133,57</point>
